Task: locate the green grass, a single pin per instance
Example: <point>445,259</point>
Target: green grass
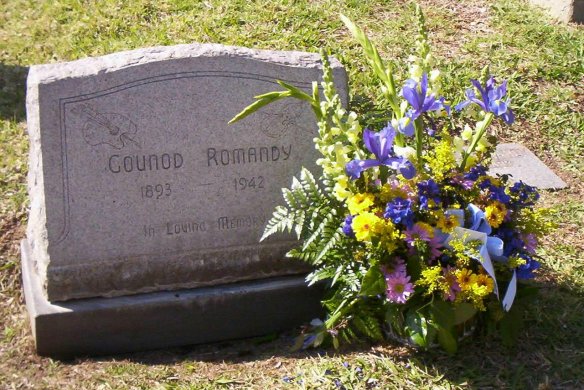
<point>544,63</point>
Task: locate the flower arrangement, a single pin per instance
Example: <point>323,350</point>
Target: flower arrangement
<point>414,239</point>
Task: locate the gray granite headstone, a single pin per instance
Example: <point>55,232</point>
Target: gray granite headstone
<point>137,183</point>
<point>519,162</point>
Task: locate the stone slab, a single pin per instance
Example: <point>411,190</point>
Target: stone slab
<point>563,10</point>
<point>519,162</point>
<point>104,326</point>
<point>137,183</point>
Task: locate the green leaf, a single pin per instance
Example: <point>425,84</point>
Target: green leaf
<point>336,342</point>
<point>320,336</point>
<point>443,313</point>
<point>298,343</point>
<point>263,101</point>
<point>419,330</point>
<point>463,312</point>
<point>511,325</point>
<point>447,340</point>
<point>381,70</point>
<point>373,282</point>
<point>295,92</point>
<point>414,269</point>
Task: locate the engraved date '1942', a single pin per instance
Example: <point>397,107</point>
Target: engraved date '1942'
<point>253,183</point>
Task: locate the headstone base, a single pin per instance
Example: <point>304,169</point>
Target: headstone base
<point>103,326</point>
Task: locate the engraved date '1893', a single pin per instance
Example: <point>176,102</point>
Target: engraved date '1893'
<point>155,191</point>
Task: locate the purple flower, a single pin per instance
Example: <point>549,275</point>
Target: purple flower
<point>428,190</point>
<point>399,288</point>
<point>529,242</point>
<point>511,241</point>
<point>525,271</point>
<point>416,94</point>
<point>347,226</point>
<point>453,286</point>
<point>399,210</point>
<point>524,194</point>
<point>475,173</point>
<point>417,232</point>
<point>397,268</point>
<point>462,182</point>
<point>495,192</point>
<point>491,99</point>
<point>430,245</point>
<point>380,144</point>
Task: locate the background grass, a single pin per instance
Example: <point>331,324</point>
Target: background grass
<point>544,63</point>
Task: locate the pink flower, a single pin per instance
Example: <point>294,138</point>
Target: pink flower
<point>434,245</point>
<point>452,281</point>
<point>422,232</point>
<point>399,288</point>
<point>398,267</point>
<point>418,232</point>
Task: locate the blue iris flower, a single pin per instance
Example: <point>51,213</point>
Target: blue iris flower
<point>491,99</point>
<point>417,95</point>
<point>380,144</point>
<point>399,210</point>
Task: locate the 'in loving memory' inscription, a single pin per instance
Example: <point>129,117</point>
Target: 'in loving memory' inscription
<point>170,178</point>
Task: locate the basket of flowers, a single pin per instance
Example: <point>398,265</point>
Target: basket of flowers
<point>413,238</point>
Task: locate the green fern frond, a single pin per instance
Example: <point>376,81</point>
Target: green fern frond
<point>290,199</point>
<point>281,221</point>
<point>329,239</point>
<point>310,185</point>
<point>323,218</point>
<point>306,255</point>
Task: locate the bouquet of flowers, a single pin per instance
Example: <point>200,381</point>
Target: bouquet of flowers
<point>414,239</point>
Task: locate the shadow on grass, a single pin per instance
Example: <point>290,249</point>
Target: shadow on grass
<point>13,92</point>
<point>232,351</point>
<point>548,353</point>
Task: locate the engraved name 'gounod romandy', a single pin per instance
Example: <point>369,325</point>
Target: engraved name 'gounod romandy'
<point>216,157</point>
<point>145,162</point>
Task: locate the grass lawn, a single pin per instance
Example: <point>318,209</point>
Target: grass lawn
<point>544,63</point>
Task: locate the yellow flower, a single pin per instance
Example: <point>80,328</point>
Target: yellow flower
<point>360,202</point>
<point>441,160</point>
<point>432,278</point>
<point>425,227</point>
<point>389,192</point>
<point>465,279</point>
<point>447,223</point>
<point>365,225</point>
<point>388,235</point>
<point>340,190</point>
<point>495,213</point>
<point>483,285</point>
<point>515,261</point>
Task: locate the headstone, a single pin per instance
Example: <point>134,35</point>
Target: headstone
<point>519,162</point>
<point>139,187</point>
<point>563,10</point>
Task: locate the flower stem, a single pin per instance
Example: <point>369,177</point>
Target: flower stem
<point>483,126</point>
<point>419,140</point>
